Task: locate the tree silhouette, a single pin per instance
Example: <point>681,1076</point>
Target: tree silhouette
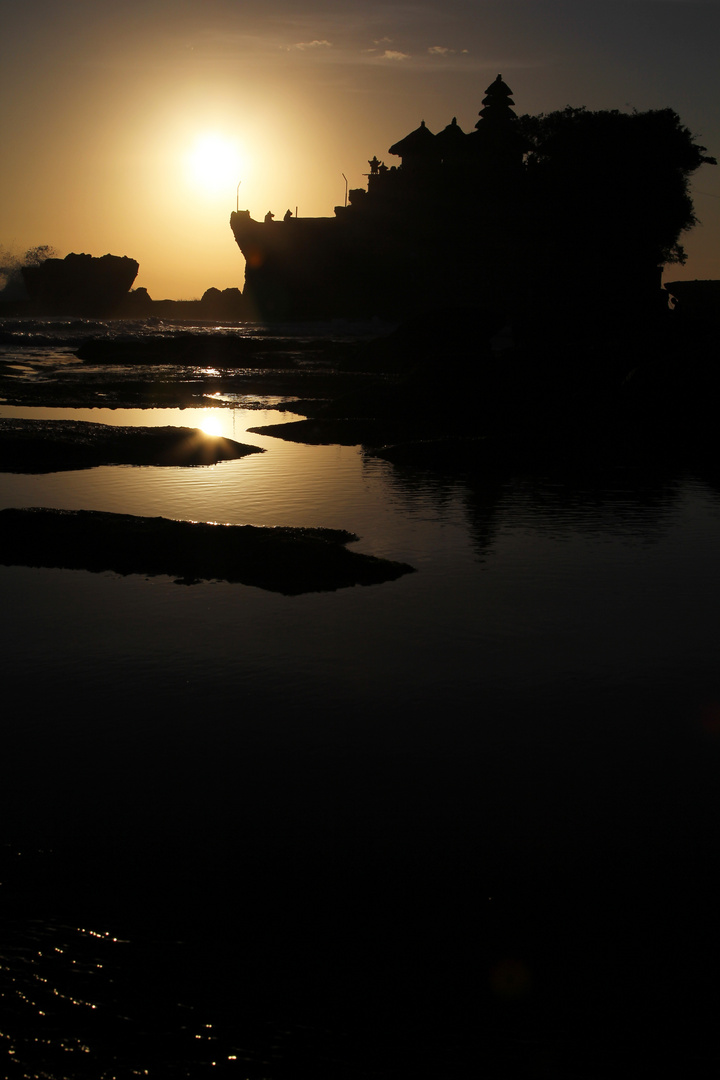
<point>616,183</point>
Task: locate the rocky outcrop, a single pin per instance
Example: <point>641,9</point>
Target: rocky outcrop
<point>523,217</point>
<point>226,305</point>
<point>79,284</point>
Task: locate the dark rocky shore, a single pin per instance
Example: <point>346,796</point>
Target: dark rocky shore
<point>452,389</point>
<point>231,350</point>
<point>447,399</point>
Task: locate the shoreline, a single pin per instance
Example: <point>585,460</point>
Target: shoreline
<point>423,388</point>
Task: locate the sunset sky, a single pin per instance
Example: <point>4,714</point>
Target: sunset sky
<point>127,127</point>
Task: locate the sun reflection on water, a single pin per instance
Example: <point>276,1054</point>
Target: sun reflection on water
<point>213,425</point>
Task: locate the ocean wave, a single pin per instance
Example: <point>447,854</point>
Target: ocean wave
<point>55,332</point>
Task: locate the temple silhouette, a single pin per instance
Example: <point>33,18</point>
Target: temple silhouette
<point>531,220</point>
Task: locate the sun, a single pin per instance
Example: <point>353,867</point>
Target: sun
<point>213,162</point>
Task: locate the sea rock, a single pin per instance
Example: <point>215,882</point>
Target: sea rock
<point>137,304</point>
<point>79,284</point>
<point>227,304</point>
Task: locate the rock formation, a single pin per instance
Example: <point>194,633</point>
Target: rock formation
<point>79,284</point>
<point>546,223</point>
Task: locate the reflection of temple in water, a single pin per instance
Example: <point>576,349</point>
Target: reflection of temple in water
<point>460,220</point>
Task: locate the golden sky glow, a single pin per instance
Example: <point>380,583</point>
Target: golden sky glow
<point>126,129</point>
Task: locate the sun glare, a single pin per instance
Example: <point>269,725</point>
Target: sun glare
<point>212,426</point>
<point>213,162</point>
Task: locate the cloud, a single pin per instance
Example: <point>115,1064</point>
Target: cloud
<point>440,50</point>
<point>302,45</point>
<point>382,41</point>
<point>393,54</point>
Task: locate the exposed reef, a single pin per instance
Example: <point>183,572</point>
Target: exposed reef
<point>39,446</point>
<point>328,431</point>
<point>450,399</point>
<point>451,385</point>
<point>231,350</point>
<point>153,371</point>
<point>284,560</point>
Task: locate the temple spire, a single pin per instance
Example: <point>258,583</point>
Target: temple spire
<point>496,104</point>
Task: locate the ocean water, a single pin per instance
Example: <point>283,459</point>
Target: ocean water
<point>463,821</point>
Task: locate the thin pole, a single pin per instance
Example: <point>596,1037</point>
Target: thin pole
<point>237,197</point>
<point>346,186</point>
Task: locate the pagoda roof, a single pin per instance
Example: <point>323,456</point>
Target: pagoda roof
<point>451,135</point>
<point>496,104</point>
<point>492,100</point>
<point>451,141</point>
<point>417,142</point>
<point>498,87</point>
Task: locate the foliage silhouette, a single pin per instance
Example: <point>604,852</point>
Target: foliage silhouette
<point>615,182</point>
